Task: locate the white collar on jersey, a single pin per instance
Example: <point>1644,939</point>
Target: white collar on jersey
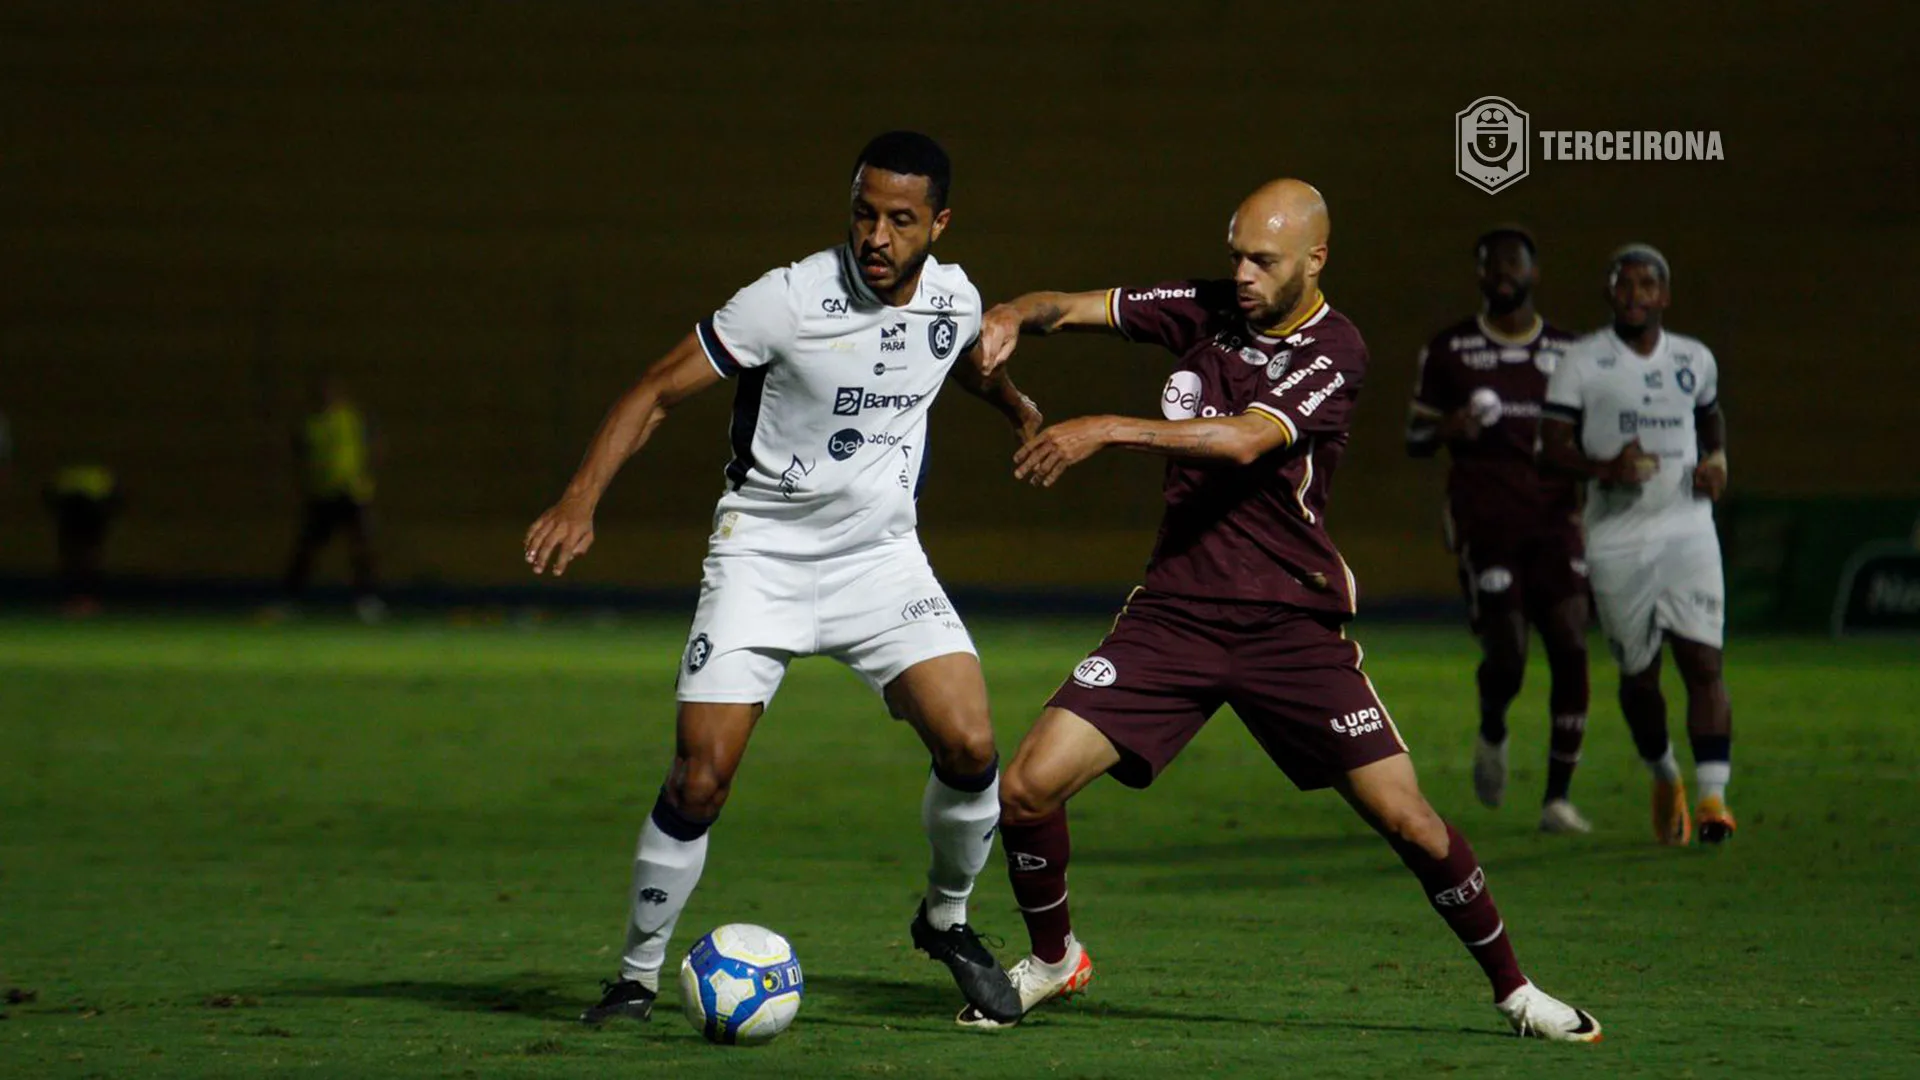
<point>1498,338</point>
<point>1659,345</point>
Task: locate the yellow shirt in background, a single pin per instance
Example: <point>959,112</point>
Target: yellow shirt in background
<point>338,458</point>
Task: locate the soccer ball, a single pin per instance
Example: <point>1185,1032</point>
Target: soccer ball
<point>740,985</point>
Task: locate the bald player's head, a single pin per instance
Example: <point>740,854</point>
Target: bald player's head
<point>1278,240</point>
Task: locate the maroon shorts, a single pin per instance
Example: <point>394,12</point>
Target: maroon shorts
<point>1501,572</point>
<point>1291,675</point>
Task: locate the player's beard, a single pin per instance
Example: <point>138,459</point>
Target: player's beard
<point>1288,297</point>
<point>1499,303</point>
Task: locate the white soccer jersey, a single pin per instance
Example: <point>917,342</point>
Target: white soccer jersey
<point>1614,395</point>
<point>830,417</point>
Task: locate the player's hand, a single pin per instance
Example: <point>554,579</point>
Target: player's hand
<point>562,534</point>
<point>1460,425</point>
<point>999,335</point>
<point>1060,447</point>
<point>1710,479</point>
<point>1633,465</point>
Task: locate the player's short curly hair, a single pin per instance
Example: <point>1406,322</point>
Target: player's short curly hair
<point>910,153</point>
<point>1504,232</point>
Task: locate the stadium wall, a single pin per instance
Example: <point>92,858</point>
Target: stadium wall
<point>488,217</point>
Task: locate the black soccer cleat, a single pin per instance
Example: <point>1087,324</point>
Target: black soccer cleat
<point>974,969</point>
<point>622,998</point>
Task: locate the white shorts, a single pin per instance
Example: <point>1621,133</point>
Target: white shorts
<point>878,610</point>
<point>1672,585</point>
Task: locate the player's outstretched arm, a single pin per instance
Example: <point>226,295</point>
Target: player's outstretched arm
<point>997,390</point>
<point>1039,313</point>
<point>565,531</point>
<point>1238,440</point>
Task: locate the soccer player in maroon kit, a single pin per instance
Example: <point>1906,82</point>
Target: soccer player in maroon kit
<point>1245,596</point>
<point>1514,528</point>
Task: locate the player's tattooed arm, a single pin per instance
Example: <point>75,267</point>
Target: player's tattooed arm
<point>997,389</point>
<point>1560,452</point>
<point>565,531</point>
<point>1039,313</point>
<point>1238,440</point>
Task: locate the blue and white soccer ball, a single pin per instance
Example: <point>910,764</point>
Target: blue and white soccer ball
<point>740,985</point>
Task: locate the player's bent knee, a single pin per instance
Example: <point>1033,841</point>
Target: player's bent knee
<point>1023,802</point>
<point>967,752</point>
<point>698,788</point>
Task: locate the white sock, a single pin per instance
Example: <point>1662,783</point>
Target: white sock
<point>665,871</point>
<point>960,826</point>
<point>1665,767</point>
<point>1712,776</point>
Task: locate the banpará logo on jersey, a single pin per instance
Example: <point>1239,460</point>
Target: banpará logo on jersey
<point>790,479</point>
<point>893,338</point>
<point>1358,723</point>
<point>699,651</point>
<point>1162,293</point>
<point>1490,143</point>
<point>931,606</point>
<point>853,400</point>
<point>834,305</point>
<point>1096,671</point>
<point>942,335</point>
<point>1685,380</point>
<point>1632,422</point>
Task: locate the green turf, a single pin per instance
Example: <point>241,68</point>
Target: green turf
<point>328,851</point>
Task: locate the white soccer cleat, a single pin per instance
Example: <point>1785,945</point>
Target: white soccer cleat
<point>1489,770</point>
<point>1038,982</point>
<point>1536,1014</point>
<point>1561,816</point>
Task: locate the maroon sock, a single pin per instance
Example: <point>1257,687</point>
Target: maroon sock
<point>1037,866</point>
<point>1457,888</point>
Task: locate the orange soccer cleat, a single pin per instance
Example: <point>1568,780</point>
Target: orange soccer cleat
<point>1714,820</point>
<point>1670,824</point>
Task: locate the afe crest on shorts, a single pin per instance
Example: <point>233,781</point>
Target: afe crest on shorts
<point>1095,671</point>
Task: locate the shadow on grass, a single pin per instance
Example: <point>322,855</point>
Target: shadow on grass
<point>528,995</point>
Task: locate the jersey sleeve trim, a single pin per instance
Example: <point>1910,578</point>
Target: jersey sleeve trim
<point>1261,409</point>
<point>1560,412</point>
<point>1113,313</point>
<point>718,354</point>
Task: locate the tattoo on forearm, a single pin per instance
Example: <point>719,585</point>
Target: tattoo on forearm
<point>1045,318</point>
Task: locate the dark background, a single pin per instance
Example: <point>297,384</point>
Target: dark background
<point>489,216</point>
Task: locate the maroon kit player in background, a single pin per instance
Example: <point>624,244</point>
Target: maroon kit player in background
<point>1514,528</point>
<point>1245,596</point>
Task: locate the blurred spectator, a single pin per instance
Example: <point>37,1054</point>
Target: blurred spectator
<point>84,499</point>
<point>335,449</point>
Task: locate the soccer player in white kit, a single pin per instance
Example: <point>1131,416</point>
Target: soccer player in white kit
<point>838,359</point>
<point>1635,409</point>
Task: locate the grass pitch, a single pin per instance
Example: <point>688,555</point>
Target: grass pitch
<point>320,850</point>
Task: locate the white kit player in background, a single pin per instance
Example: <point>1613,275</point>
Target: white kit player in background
<point>1635,409</point>
<point>838,359</point>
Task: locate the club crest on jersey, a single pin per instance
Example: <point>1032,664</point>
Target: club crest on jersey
<point>1490,144</point>
<point>699,651</point>
<point>1095,671</point>
<point>1277,366</point>
<point>1684,379</point>
<point>942,335</point>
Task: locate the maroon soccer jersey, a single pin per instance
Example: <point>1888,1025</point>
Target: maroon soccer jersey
<point>1494,485</point>
<point>1254,532</point>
